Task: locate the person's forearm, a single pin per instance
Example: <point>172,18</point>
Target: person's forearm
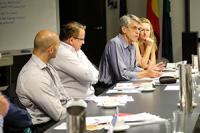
<point>146,56</point>
<point>141,74</point>
<point>138,55</point>
<point>153,57</point>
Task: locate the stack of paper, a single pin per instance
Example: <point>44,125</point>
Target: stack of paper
<point>123,91</point>
<point>119,100</point>
<point>171,66</point>
<point>172,88</point>
<point>142,119</point>
<point>130,119</point>
<point>133,87</point>
<point>173,74</point>
<point>126,86</point>
<point>99,122</point>
<point>175,65</point>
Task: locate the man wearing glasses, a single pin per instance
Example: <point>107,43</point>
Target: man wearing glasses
<point>77,73</point>
<point>118,62</point>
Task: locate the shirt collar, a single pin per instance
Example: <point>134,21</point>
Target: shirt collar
<point>68,46</point>
<point>124,42</point>
<point>38,61</point>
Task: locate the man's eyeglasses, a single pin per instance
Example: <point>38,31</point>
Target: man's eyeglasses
<point>135,28</point>
<point>81,39</point>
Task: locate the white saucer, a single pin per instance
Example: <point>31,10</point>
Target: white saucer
<point>148,89</point>
<point>119,128</point>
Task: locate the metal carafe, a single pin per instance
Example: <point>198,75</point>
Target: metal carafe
<point>185,88</point>
<point>76,111</point>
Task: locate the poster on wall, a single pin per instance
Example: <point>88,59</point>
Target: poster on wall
<point>20,20</point>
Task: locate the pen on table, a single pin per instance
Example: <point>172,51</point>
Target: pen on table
<point>114,120</point>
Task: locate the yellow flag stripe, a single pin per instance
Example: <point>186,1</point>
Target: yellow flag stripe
<point>155,7</point>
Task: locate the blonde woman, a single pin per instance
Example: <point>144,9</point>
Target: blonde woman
<point>146,46</point>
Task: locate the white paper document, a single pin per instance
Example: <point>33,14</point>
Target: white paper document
<point>120,86</point>
<point>175,65</point>
<point>142,119</point>
<point>171,65</point>
<point>119,100</point>
<point>136,86</point>
<point>130,119</point>
<point>123,91</point>
<point>98,120</point>
<point>172,88</point>
<point>123,98</point>
<point>62,126</point>
<point>172,74</point>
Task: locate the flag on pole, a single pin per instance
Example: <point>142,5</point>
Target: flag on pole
<point>167,32</point>
<point>153,16</point>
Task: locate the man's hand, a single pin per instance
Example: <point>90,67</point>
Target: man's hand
<point>157,67</point>
<point>153,74</point>
<point>4,105</point>
<point>149,41</point>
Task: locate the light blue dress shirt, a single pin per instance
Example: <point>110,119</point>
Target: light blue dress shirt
<point>118,62</point>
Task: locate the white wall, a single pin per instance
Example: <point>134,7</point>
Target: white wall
<point>112,20</point>
<point>194,15</point>
<point>178,22</point>
<point>137,7</point>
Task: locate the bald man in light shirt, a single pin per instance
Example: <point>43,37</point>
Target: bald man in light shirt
<point>38,86</point>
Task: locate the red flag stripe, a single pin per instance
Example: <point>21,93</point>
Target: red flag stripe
<point>152,16</point>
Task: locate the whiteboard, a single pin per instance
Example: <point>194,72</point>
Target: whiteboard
<point>194,16</point>
<point>20,20</point>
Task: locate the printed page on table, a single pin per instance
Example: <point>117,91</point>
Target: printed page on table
<point>135,84</point>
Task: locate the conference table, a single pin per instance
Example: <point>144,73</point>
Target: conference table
<point>159,102</point>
